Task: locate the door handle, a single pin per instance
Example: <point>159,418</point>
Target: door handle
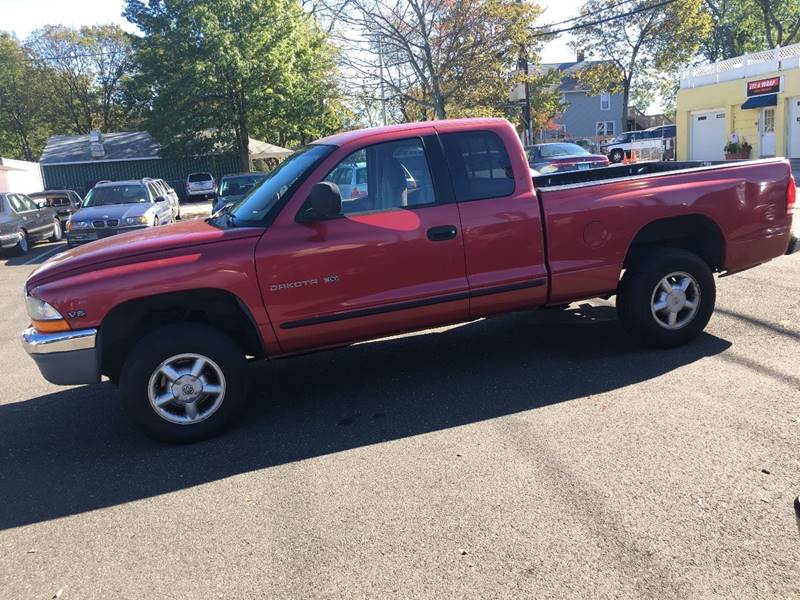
<point>442,233</point>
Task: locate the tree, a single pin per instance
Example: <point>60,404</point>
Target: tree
<point>439,58</point>
<point>642,40</point>
<point>220,71</point>
<point>781,21</point>
<point>86,71</point>
<point>23,108</point>
<point>736,28</point>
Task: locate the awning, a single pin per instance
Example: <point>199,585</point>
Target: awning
<point>259,149</point>
<point>759,101</point>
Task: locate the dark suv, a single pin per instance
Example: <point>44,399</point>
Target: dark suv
<point>64,202</point>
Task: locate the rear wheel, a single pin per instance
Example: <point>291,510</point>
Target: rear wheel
<point>666,297</point>
<point>616,156</point>
<point>184,382</point>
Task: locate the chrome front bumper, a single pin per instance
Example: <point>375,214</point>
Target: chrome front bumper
<point>66,357</point>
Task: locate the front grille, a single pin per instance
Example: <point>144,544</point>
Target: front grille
<point>98,224</point>
<point>112,222</point>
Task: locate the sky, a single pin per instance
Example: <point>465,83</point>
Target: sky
<point>24,16</point>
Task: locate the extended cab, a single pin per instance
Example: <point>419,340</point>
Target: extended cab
<point>172,314</point>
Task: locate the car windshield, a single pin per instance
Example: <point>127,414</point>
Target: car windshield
<point>237,186</point>
<point>255,206</point>
<point>116,194</point>
<point>554,150</point>
<point>196,177</point>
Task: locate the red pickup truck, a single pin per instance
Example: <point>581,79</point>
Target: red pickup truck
<point>448,225</point>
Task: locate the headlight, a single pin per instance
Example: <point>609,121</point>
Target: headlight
<point>77,225</point>
<point>39,310</point>
<point>143,220</point>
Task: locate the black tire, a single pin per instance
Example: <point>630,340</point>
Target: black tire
<point>23,246</point>
<point>57,235</point>
<point>169,341</point>
<point>637,293</point>
<point>616,156</point>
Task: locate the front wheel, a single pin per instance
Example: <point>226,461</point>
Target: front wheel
<point>616,156</point>
<point>23,245</point>
<point>666,297</point>
<point>184,382</point>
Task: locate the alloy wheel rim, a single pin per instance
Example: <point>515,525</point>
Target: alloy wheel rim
<point>675,300</point>
<point>57,231</point>
<point>23,242</point>
<point>186,389</point>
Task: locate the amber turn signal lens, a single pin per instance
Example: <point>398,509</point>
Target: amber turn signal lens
<point>51,326</point>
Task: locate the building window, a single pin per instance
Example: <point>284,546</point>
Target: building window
<point>605,128</point>
<point>605,101</point>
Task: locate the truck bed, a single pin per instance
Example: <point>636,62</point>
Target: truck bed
<point>619,171</point>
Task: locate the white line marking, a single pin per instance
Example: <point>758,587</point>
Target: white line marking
<point>43,256</point>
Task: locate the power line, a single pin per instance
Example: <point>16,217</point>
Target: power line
<point>571,19</point>
<point>606,20</point>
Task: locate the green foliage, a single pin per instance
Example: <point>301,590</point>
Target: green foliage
<point>86,71</point>
<point>638,47</point>
<point>742,148</point>
<point>23,105</point>
<point>220,71</point>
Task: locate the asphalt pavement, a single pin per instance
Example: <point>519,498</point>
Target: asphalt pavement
<point>536,455</point>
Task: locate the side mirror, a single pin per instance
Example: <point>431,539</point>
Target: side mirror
<point>324,202</point>
<point>160,199</point>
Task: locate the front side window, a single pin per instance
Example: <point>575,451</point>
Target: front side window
<point>479,165</point>
<point>384,177</point>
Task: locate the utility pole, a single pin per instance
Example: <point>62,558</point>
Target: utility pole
<point>380,75</point>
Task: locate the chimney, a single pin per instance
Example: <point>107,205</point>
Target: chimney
<point>581,55</point>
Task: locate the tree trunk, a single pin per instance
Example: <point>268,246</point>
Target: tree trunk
<point>626,93</point>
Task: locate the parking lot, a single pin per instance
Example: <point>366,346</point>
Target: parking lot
<point>527,456</point>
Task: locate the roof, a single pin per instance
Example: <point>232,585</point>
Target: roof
<point>338,139</point>
<point>569,70</point>
<point>126,145</point>
<point>125,182</point>
<point>51,193</point>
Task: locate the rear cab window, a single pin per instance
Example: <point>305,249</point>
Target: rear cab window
<point>479,165</point>
<point>198,177</point>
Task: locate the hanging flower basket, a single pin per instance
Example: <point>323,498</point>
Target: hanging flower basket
<point>737,150</point>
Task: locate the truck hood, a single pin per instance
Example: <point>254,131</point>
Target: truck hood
<point>128,247</point>
<point>112,211</point>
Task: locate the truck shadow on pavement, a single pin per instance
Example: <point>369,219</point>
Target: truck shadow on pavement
<point>74,451</point>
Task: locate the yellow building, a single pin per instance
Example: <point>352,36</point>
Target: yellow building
<point>753,98</point>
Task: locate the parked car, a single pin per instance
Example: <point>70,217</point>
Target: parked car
<point>200,185</point>
<point>65,202</point>
<point>587,144</point>
<point>232,188</point>
<point>22,223</point>
<point>172,197</point>
<point>625,143</point>
<point>562,156</point>
<point>174,314</point>
<point>351,180</point>
<point>663,131</point>
<point>118,207</point>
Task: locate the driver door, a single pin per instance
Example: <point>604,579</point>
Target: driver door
<point>392,260</point>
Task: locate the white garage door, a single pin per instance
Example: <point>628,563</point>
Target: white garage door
<point>707,136</point>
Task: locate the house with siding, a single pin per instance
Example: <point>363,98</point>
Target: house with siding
<point>585,115</point>
<point>77,162</point>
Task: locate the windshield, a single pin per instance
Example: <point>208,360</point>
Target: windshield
<point>255,205</point>
<point>237,186</point>
<point>553,150</point>
<point>116,194</point>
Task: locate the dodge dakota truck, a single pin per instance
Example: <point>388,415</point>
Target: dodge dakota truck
<point>450,226</point>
